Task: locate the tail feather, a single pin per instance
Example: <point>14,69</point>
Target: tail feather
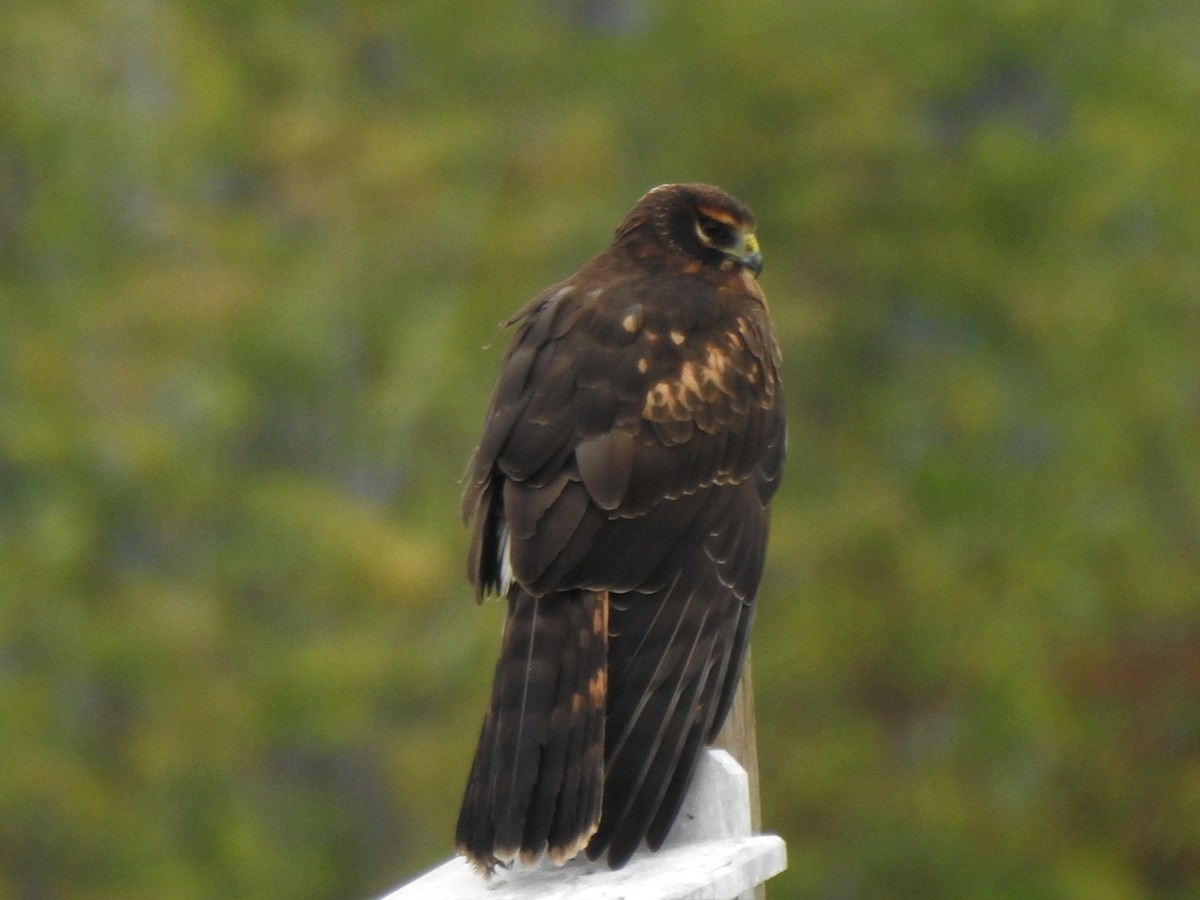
<point>664,697</point>
<point>578,811</point>
<point>537,777</point>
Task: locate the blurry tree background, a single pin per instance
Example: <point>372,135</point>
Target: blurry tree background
<point>252,258</point>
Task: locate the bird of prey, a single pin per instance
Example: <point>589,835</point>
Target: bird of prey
<point>618,500</point>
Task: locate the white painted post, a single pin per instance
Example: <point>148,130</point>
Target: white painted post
<point>710,854</point>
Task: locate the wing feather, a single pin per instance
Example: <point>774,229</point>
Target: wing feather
<point>605,464</point>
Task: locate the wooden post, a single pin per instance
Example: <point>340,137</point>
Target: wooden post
<point>738,738</point>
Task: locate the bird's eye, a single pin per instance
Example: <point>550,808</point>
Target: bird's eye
<point>713,232</point>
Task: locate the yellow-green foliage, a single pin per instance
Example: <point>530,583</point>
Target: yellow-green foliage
<point>250,258</point>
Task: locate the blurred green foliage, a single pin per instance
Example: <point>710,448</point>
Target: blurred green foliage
<point>250,255</point>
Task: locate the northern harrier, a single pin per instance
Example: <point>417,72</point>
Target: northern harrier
<point>619,502</point>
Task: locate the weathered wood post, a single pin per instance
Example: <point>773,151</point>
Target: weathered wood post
<point>738,737</point>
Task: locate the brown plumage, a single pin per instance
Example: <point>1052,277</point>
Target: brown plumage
<point>618,498</point>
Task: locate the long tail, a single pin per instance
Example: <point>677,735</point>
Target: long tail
<point>537,779</point>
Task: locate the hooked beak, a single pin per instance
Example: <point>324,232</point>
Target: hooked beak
<point>748,254</point>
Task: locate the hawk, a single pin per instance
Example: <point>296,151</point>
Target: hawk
<point>618,499</point>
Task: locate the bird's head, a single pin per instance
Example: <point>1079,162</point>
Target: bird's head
<point>700,221</point>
